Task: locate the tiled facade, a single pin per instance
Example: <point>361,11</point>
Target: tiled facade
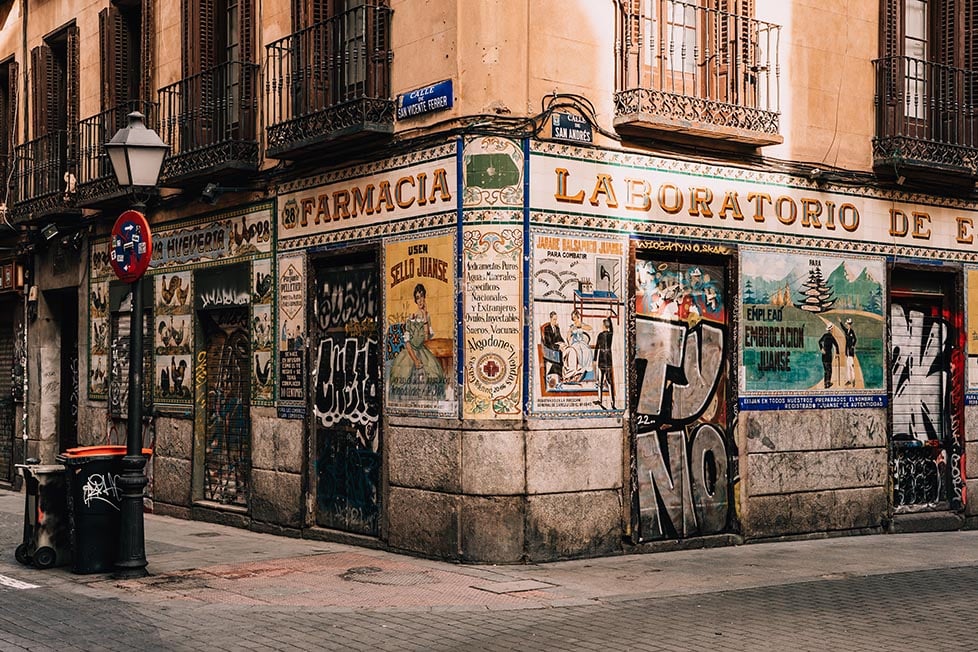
<point>506,280</point>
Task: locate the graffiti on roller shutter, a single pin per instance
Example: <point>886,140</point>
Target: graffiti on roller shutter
<point>685,460</point>
<point>924,447</point>
<point>346,399</point>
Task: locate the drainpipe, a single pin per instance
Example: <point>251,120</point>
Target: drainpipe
<point>25,365</point>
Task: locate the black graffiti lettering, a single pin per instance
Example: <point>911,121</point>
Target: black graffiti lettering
<point>346,390</point>
<point>682,368</point>
<point>918,475</point>
<point>708,461</point>
<point>696,477</point>
<point>919,378</point>
<point>340,303</point>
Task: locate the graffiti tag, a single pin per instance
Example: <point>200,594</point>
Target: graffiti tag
<point>101,487</point>
<point>346,390</point>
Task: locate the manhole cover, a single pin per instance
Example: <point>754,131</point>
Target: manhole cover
<point>204,535</point>
<point>175,582</point>
<point>379,576</point>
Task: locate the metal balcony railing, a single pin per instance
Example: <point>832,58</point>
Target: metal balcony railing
<point>209,120</point>
<point>8,191</point>
<point>926,114</point>
<point>330,79</point>
<point>40,169</point>
<point>95,175</point>
<point>685,63</point>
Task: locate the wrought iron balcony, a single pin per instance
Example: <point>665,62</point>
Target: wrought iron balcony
<point>97,184</point>
<point>44,178</point>
<point>330,82</point>
<point>926,121</point>
<point>209,120</point>
<point>691,72</point>
<point>8,193</point>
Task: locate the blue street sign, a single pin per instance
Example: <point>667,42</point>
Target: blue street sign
<point>429,99</point>
<point>568,126</point>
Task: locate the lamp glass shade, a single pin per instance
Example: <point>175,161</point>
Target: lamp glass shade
<point>136,154</point>
<point>117,156</point>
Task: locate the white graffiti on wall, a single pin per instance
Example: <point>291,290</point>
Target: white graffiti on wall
<point>346,391</point>
<point>101,487</point>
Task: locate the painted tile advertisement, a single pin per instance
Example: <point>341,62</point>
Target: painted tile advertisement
<point>262,332</point>
<point>98,337</point>
<point>578,345</point>
<point>173,334</point>
<point>493,261</point>
<point>292,338</point>
<point>420,332</point>
<point>812,323</point>
<point>971,282</point>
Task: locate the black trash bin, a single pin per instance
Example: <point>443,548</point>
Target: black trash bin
<point>47,535</point>
<point>94,505</point>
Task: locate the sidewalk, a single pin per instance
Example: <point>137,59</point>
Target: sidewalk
<point>199,562</point>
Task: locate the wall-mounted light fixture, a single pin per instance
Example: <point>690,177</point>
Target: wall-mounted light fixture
<point>50,231</point>
<point>212,192</point>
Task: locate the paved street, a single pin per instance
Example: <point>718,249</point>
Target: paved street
<point>218,588</point>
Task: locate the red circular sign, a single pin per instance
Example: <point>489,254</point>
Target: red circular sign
<point>131,246</point>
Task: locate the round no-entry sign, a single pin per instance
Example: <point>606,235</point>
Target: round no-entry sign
<point>131,246</point>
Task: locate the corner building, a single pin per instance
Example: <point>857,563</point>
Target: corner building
<point>512,279</point>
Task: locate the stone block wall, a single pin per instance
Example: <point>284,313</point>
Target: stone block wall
<point>812,471</point>
<point>971,460</point>
<point>505,494</point>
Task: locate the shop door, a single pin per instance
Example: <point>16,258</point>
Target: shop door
<point>65,307</point>
<point>346,394</point>
<point>227,452</point>
<point>684,455</point>
<point>921,443</point>
<point>7,339</point>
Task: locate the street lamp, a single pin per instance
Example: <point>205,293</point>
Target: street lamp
<point>136,154</point>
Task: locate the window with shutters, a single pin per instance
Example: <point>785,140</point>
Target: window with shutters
<point>927,91</point>
<point>330,79</point>
<point>125,63</point>
<point>8,125</point>
<point>209,117</point>
<point>711,63</point>
<point>45,165</point>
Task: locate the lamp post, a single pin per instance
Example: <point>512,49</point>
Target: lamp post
<point>136,154</point>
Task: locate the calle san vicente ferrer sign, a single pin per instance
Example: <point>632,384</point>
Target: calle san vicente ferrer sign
<point>130,246</point>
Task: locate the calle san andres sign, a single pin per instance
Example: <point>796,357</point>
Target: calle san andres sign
<point>130,246</point>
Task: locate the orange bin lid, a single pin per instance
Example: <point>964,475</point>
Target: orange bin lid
<point>92,451</point>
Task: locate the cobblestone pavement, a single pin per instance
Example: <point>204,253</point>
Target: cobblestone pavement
<point>217,588</point>
<point>925,610</point>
